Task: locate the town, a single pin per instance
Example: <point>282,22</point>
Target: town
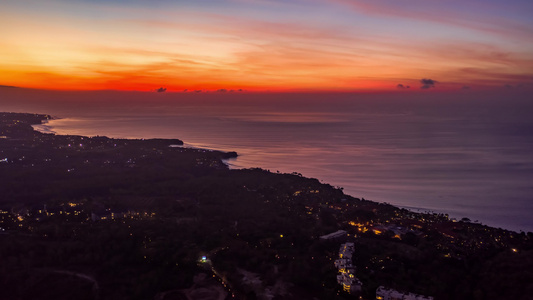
<point>137,216</point>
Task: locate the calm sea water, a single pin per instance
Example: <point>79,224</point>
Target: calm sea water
<point>465,155</point>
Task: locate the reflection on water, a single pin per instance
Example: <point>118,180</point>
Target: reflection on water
<point>465,158</point>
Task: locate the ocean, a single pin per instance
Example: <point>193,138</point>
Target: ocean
<point>466,154</point>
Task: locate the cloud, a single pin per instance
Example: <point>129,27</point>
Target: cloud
<point>222,90</point>
<point>427,83</point>
<point>465,87</point>
<point>517,86</point>
<point>161,90</point>
<point>401,86</point>
<point>474,15</point>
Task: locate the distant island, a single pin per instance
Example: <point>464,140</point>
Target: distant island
<point>105,218</point>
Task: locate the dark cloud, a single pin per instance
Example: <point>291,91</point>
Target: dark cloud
<point>517,86</point>
<point>466,87</point>
<point>161,90</point>
<point>401,86</point>
<point>222,90</point>
<point>427,83</point>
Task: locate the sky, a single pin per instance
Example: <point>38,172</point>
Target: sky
<point>267,45</point>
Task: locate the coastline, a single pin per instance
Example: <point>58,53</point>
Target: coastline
<point>459,212</point>
<point>158,210</point>
<point>43,128</point>
<point>229,155</point>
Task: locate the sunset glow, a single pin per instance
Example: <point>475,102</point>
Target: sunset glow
<point>266,45</point>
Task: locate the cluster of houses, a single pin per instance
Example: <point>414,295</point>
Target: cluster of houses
<point>108,214</point>
<point>351,284</point>
<point>346,276</point>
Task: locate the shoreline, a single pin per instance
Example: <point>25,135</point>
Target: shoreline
<point>158,210</point>
<point>416,209</point>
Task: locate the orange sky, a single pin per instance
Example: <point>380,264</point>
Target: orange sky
<point>265,45</point>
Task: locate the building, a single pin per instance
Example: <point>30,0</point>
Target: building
<point>346,251</point>
<point>349,283</point>
<point>383,293</point>
<point>334,235</point>
<point>346,276</point>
